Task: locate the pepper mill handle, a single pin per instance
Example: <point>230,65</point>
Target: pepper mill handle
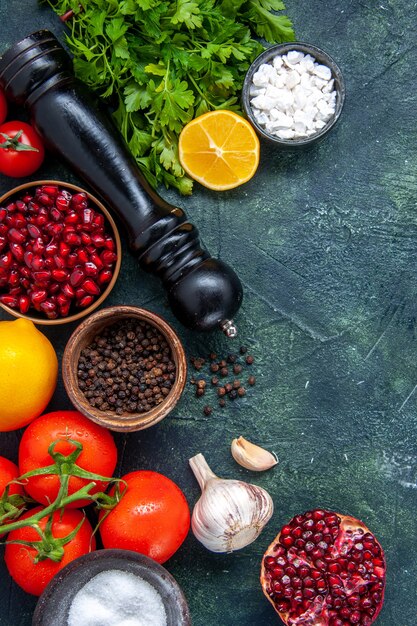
<point>203,292</point>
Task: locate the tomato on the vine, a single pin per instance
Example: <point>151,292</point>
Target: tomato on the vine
<point>20,559</point>
<point>8,472</point>
<point>152,517</point>
<point>99,453</point>
<point>3,106</point>
<point>21,149</point>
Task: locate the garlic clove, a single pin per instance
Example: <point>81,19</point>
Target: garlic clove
<point>251,456</point>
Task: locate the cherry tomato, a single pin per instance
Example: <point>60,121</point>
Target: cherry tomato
<point>15,160</point>
<point>152,517</point>
<point>8,472</point>
<point>3,106</point>
<point>99,453</point>
<point>33,577</point>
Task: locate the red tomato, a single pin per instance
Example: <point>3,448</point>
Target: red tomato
<point>8,472</point>
<point>99,453</point>
<point>33,577</point>
<point>3,106</point>
<point>15,161</point>
<point>152,517</point>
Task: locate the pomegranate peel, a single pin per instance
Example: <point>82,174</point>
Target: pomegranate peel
<point>324,569</point>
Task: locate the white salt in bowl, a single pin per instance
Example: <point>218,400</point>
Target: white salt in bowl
<point>282,108</point>
<point>66,596</point>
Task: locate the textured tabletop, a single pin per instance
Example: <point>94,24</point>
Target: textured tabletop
<point>325,244</point>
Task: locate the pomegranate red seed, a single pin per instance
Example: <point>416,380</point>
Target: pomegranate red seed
<point>51,249</point>
<point>86,301</point>
<point>77,277</point>
<point>336,589</point>
<point>64,248</point>
<point>24,304</point>
<point>55,229</point>
<point>109,244</point>
<point>80,293</point>
<point>64,309</point>
<point>72,239</point>
<point>72,218</point>
<point>82,256</point>
<point>90,269</point>
<point>3,242</point>
<point>91,287</point>
<point>98,240</point>
<point>15,291</point>
<point>62,203</point>
<point>51,190</point>
<point>108,258</point>
<point>3,214</point>
<point>49,263</point>
<point>104,277</point>
<point>72,260</point>
<point>96,260</point>
<point>8,300</point>
<point>11,207</point>
<point>14,278</point>
<point>38,246</point>
<point>68,291</point>
<point>60,275</point>
<point>62,299</point>
<point>18,221</point>
<point>49,308</point>
<point>3,277</point>
<point>87,216</point>
<point>17,251</point>
<point>54,288</point>
<point>79,201</point>
<point>45,199</point>
<point>56,214</point>
<point>99,220</point>
<point>37,262</point>
<point>34,231</point>
<point>25,282</point>
<point>85,238</point>
<point>41,277</point>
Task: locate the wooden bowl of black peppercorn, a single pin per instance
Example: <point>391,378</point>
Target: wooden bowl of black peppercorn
<point>124,368</point>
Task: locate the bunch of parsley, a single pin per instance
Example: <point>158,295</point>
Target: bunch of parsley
<point>161,63</point>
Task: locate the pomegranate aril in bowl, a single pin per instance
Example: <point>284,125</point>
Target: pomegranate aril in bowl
<point>60,252</point>
<point>325,569</point>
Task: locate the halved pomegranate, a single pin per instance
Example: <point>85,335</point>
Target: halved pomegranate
<point>324,569</point>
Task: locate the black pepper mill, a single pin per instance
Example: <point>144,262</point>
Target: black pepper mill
<point>203,292</point>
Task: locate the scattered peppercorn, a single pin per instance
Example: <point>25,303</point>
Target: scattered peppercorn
<point>251,380</point>
<point>212,356</point>
<point>221,391</point>
<point>127,368</point>
<point>243,349</point>
<point>207,410</point>
<point>237,369</point>
<point>224,372</point>
<point>214,368</point>
<point>222,363</point>
<point>241,392</point>
<point>199,392</point>
<point>228,387</point>
<point>236,384</point>
<point>233,394</point>
<point>249,359</point>
<point>215,380</point>
<point>222,402</point>
<point>231,358</point>
<point>201,384</point>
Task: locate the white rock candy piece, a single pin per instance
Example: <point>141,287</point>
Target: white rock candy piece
<point>263,102</point>
<point>322,71</point>
<point>261,117</point>
<point>293,79</point>
<point>273,92</point>
<point>320,124</point>
<point>267,70</point>
<point>278,81</point>
<point>308,63</point>
<point>285,134</point>
<point>329,86</point>
<point>285,100</point>
<point>256,91</point>
<point>277,62</point>
<point>258,79</point>
<point>300,128</point>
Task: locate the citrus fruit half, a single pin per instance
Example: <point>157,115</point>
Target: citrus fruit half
<point>219,149</point>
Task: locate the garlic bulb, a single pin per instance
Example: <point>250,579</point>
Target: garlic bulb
<point>230,514</point>
<point>251,456</point>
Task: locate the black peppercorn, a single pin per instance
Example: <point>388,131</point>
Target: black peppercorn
<point>241,392</point>
<point>243,349</point>
<point>228,387</point>
<point>214,368</point>
<point>222,402</point>
<point>199,392</point>
<point>233,394</point>
<point>249,359</point>
<point>231,358</point>
<point>224,372</point>
<point>221,391</point>
<point>207,410</point>
<point>237,369</point>
<point>251,380</point>
<point>214,380</point>
<point>236,384</point>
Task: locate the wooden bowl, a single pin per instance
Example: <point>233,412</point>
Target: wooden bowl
<point>39,318</point>
<point>55,602</point>
<point>83,336</point>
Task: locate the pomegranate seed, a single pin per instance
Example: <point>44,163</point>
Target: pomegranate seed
<point>41,219</point>
<point>99,220</point>
<point>109,244</point>
<point>59,262</point>
<point>68,291</point>
<point>304,571</point>
<point>14,278</point>
<point>345,612</point>
<point>25,282</point>
<point>287,541</point>
<point>297,532</point>
<point>34,231</point>
<point>49,309</point>
<point>297,582</point>
<point>334,568</point>
<point>269,562</point>
<point>56,214</point>
<point>64,249</point>
<point>55,229</point>
<point>11,207</point>
<point>86,301</point>
<point>17,251</point>
<point>309,593</point>
<point>54,288</point>
<point>79,201</point>
<point>308,582</point>
<point>60,275</point>
<point>45,199</point>
<point>10,301</point>
<point>24,304</point>
<point>80,293</point>
<point>62,203</point>
<point>85,238</point>
<point>108,258</point>
<point>82,256</point>
<point>50,190</point>
<point>42,277</point>
<point>72,218</point>
<point>51,249</point>
<point>96,260</point>
<point>3,214</point>
<point>72,239</point>
<point>38,246</point>
<point>64,309</point>
<point>3,242</point>
<point>98,240</point>
<point>37,262</point>
<point>90,269</point>
<point>49,263</point>
<point>15,291</point>
<point>87,216</point>
<point>77,276</point>
<point>62,299</point>
<point>72,260</point>
<point>3,277</point>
